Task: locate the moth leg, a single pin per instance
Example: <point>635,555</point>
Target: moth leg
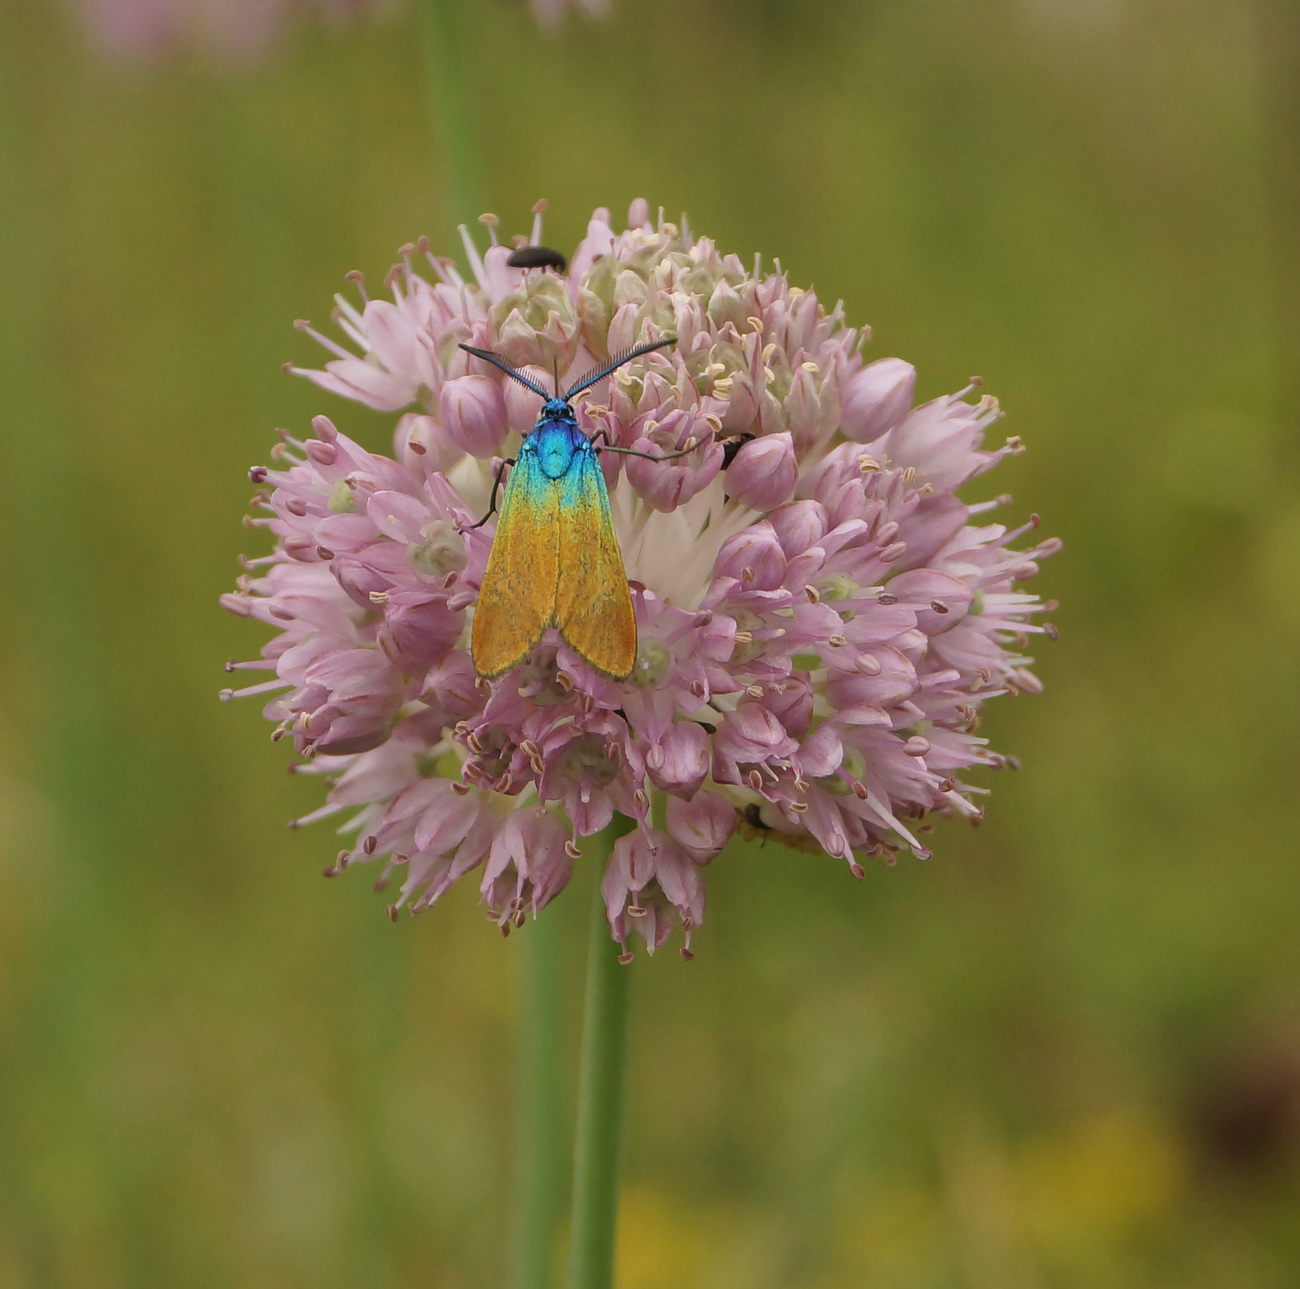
<point>492,501</point>
<point>690,447</point>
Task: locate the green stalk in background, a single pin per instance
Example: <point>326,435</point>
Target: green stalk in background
<point>543,1154</point>
<point>540,1137</point>
<point>600,1097</point>
<point>450,80</point>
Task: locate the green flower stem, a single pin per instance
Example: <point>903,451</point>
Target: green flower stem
<point>450,81</point>
<point>543,1145</point>
<point>600,1097</point>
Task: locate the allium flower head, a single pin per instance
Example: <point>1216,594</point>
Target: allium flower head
<point>238,30</point>
<point>820,617</point>
<point>233,30</point>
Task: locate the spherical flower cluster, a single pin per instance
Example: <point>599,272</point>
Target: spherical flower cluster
<point>820,617</point>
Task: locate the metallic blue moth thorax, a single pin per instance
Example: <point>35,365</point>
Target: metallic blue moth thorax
<point>556,441</point>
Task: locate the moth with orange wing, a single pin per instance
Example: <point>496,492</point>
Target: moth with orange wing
<point>555,560</point>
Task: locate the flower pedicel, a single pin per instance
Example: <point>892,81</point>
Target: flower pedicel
<point>819,616</point>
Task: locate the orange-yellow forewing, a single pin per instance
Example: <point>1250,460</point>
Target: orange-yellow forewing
<point>516,601</point>
<point>593,605</point>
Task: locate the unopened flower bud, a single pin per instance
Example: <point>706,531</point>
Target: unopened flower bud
<point>474,413</point>
<point>683,759</point>
<point>876,398</point>
<point>763,473</point>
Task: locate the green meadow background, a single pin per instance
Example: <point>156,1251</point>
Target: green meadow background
<point>1063,1054</point>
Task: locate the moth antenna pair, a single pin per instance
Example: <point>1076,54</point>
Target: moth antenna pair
<point>584,384</point>
<point>617,361</point>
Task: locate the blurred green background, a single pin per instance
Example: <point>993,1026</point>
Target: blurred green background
<point>1065,1052</point>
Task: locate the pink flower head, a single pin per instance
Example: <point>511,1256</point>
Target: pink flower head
<point>232,30</point>
<point>820,617</point>
<point>240,31</point>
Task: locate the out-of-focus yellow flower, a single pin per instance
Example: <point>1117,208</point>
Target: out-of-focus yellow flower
<point>1098,1181</point>
<point>660,1241</point>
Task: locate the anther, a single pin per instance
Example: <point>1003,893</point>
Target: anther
<point>635,911</point>
<point>938,606</point>
<point>856,870</point>
<point>909,475</point>
<point>687,955</point>
<point>378,597</point>
<point>746,574</point>
<point>814,596</point>
<point>837,641</point>
<point>886,598</point>
<point>324,552</point>
<point>459,788</point>
<point>565,681</point>
<point>571,850</point>
<point>626,959</point>
<point>1050,631</point>
<point>744,637</point>
<point>258,474</point>
<point>417,447</point>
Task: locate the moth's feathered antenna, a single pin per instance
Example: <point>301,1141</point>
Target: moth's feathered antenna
<point>616,362</point>
<point>497,361</point>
